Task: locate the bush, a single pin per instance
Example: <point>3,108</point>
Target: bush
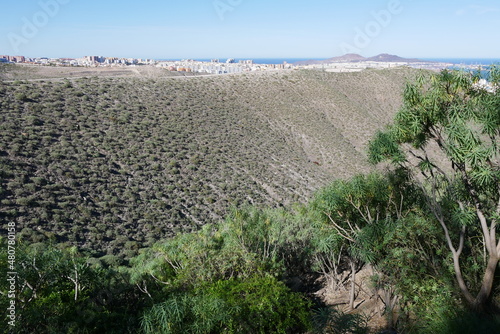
<point>21,97</point>
<point>332,321</point>
<point>462,322</point>
<point>254,305</point>
<point>51,301</point>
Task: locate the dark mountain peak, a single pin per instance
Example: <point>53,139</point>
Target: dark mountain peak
<point>385,57</point>
<point>347,58</point>
<point>350,57</point>
<point>355,58</point>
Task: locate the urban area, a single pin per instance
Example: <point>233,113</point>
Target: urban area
<point>214,66</point>
<point>229,66</point>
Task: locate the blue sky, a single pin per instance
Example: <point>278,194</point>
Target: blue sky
<point>250,28</point>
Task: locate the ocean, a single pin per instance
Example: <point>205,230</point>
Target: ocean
<point>457,61</point>
<point>466,61</point>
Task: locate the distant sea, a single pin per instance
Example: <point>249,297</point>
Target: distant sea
<point>466,61</point>
<point>457,61</point>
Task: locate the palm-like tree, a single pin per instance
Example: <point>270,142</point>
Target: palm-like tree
<point>447,134</point>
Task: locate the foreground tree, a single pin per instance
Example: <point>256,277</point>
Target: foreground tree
<point>447,135</point>
<point>351,207</point>
<point>60,291</point>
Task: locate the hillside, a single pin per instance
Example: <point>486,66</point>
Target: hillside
<point>114,164</point>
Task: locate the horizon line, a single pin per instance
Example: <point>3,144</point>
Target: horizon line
<point>257,57</point>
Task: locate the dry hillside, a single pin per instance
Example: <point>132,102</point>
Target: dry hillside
<point>114,164</point>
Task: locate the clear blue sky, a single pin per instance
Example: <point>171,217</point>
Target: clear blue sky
<point>250,28</point>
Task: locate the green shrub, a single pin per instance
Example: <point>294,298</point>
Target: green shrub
<point>332,321</point>
<point>64,292</point>
<point>254,305</point>
<point>461,322</point>
<point>21,97</point>
<point>265,305</point>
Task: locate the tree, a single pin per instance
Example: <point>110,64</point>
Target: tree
<point>350,206</point>
<point>446,136</point>
<point>59,291</point>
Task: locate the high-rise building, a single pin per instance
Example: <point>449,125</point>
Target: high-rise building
<point>14,59</point>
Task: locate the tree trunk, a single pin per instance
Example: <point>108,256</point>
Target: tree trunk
<point>487,284</point>
<point>352,293</point>
<point>479,303</point>
<point>461,283</point>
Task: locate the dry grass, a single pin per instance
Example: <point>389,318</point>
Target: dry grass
<point>37,72</point>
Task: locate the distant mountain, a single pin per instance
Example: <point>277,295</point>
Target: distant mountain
<point>347,58</point>
<point>355,58</point>
<point>384,57</point>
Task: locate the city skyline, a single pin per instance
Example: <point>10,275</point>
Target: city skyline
<point>206,29</point>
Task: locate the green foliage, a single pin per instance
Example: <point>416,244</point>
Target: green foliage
<point>446,135</point>
<point>364,203</point>
<point>264,305</point>
<point>59,292</point>
<point>332,321</point>
<point>22,97</point>
<point>275,237</point>
<point>460,321</point>
<point>384,147</point>
<point>186,313</point>
<point>248,242</point>
<point>117,165</point>
<point>252,305</point>
<point>224,278</point>
<point>412,260</point>
<point>450,111</point>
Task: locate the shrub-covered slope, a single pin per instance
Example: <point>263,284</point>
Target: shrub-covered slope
<point>114,164</point>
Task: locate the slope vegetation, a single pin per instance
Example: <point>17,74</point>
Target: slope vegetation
<point>114,164</point>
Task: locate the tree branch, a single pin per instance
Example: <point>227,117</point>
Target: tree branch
<point>343,233</point>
